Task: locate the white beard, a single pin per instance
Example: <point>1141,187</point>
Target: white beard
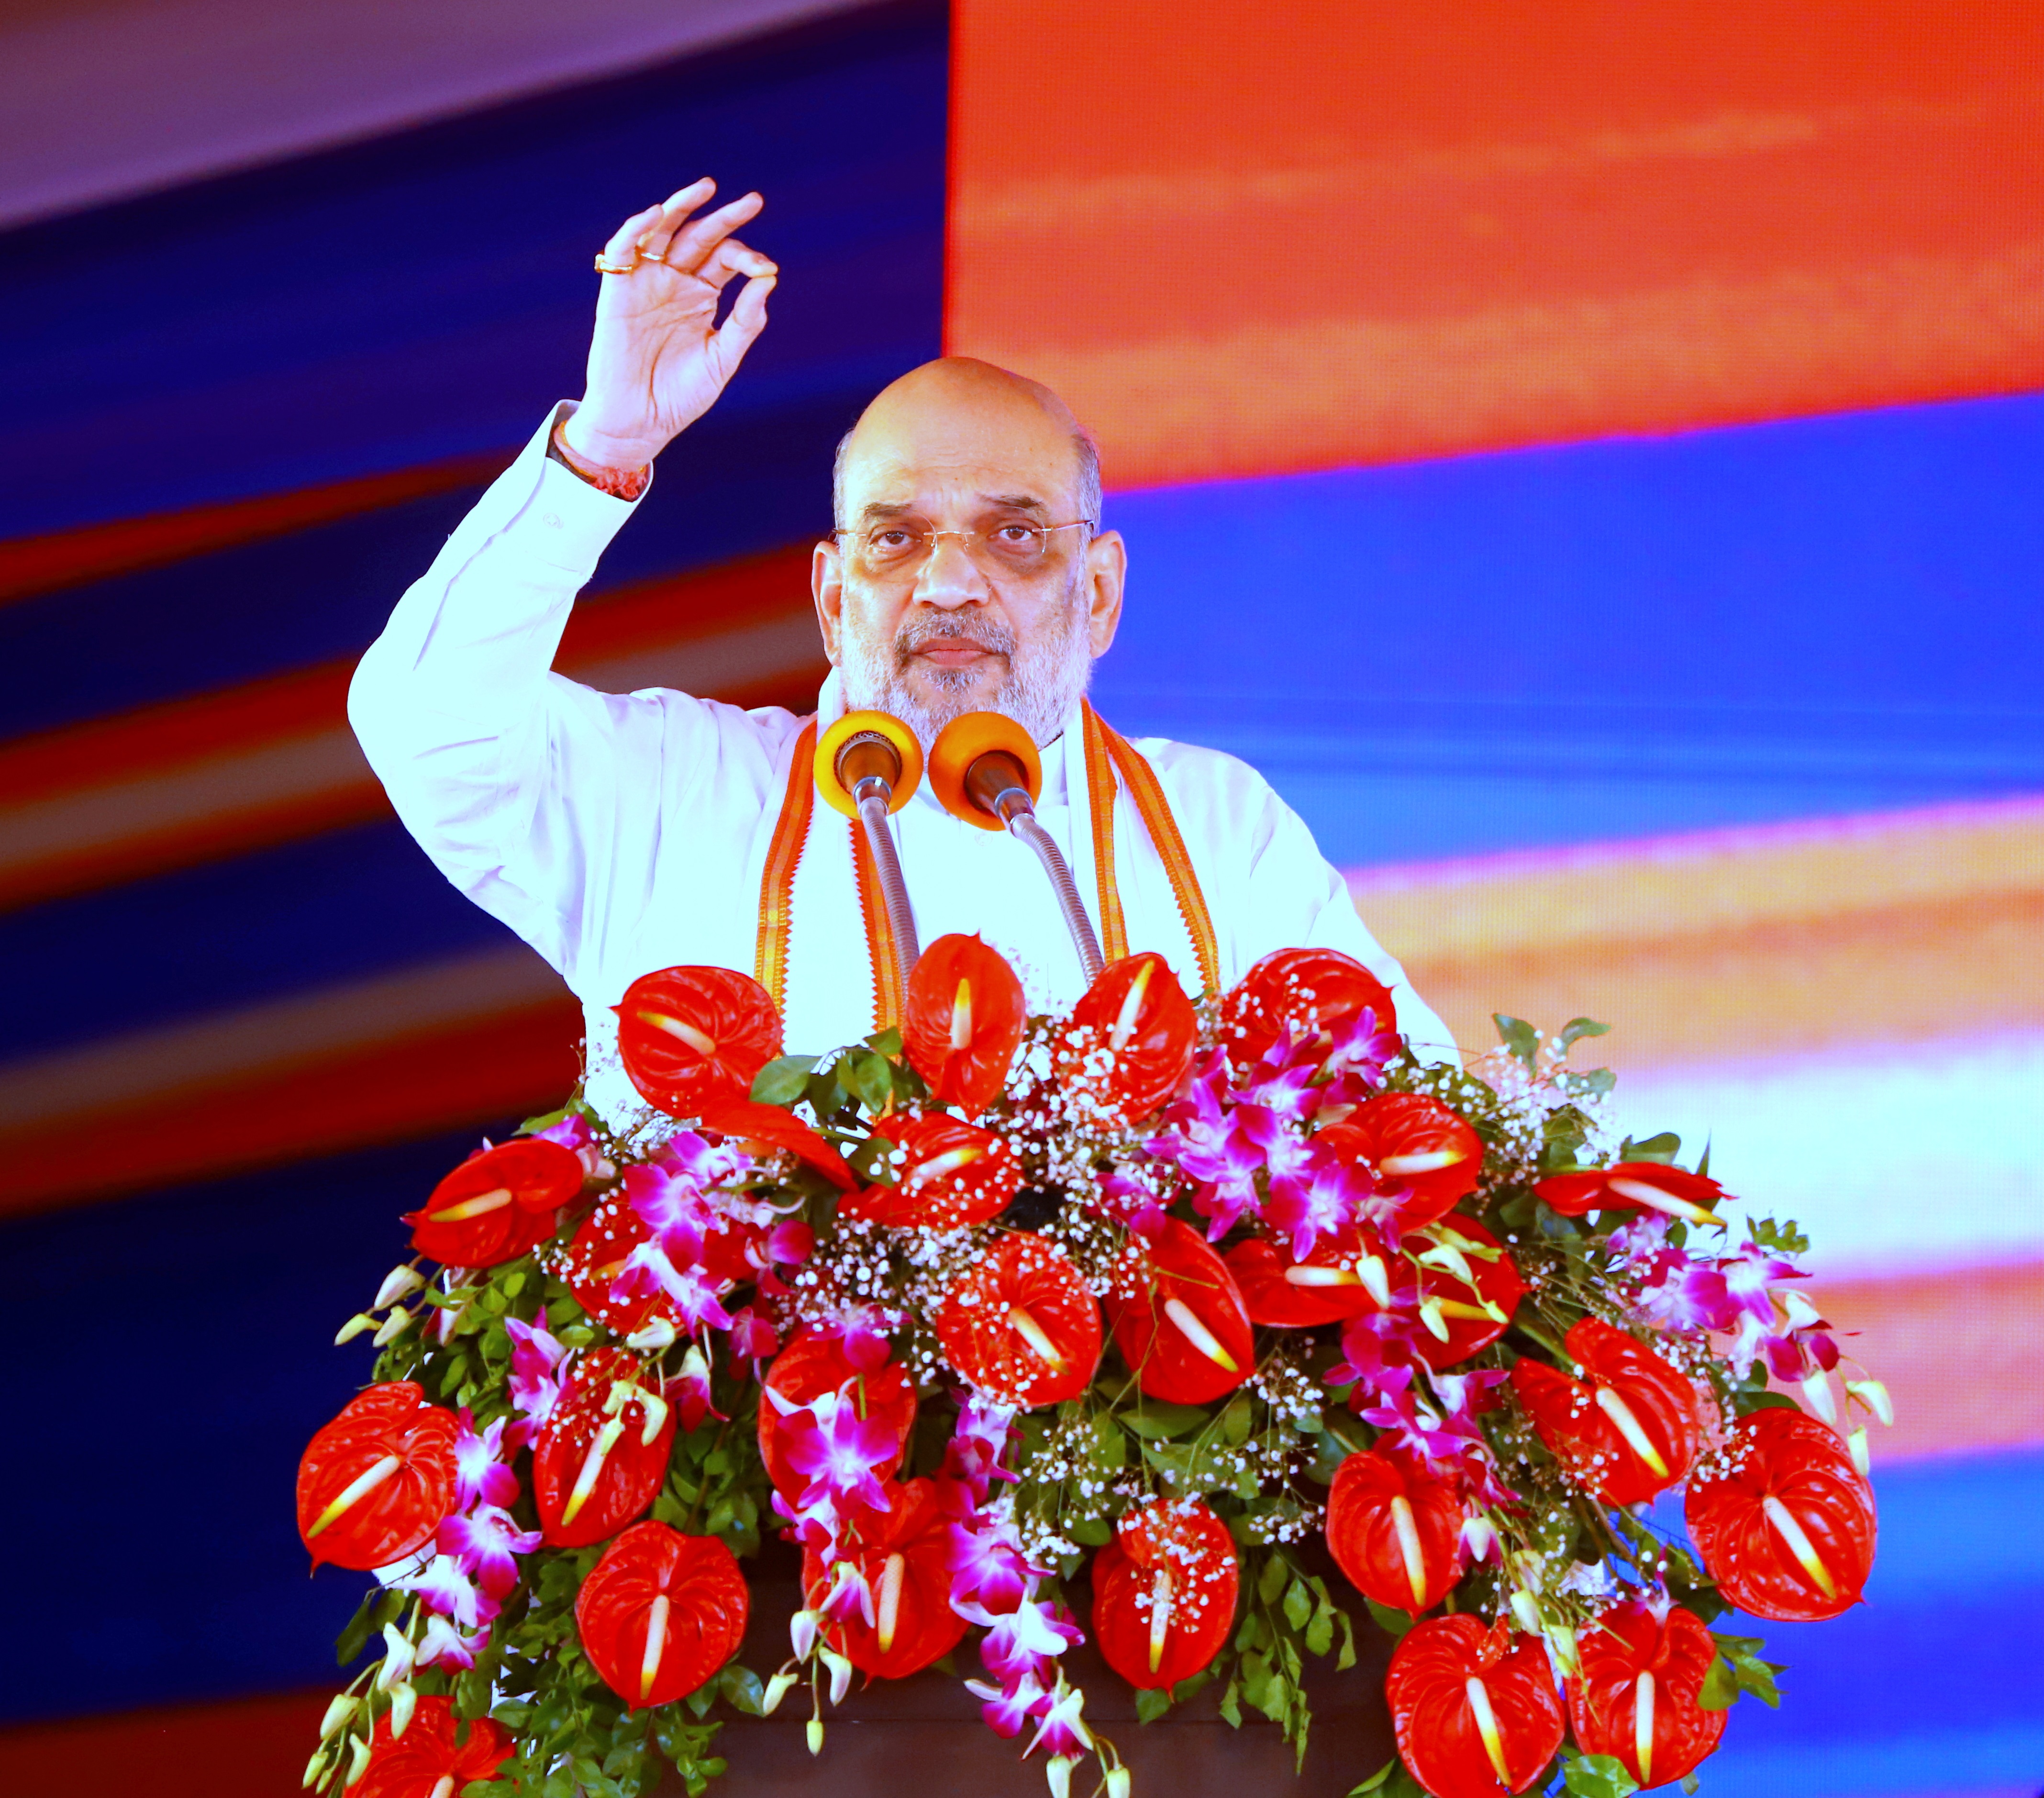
<point>1046,678</point>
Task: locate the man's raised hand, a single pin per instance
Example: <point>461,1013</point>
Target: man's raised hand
<point>659,358</point>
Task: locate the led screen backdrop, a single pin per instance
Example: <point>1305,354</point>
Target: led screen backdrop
<point>1590,456</point>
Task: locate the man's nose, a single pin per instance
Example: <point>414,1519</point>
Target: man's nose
<point>950,579</point>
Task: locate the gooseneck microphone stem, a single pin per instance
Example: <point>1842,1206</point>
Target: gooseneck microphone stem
<point>1024,825</point>
<point>994,783</point>
<point>870,794</point>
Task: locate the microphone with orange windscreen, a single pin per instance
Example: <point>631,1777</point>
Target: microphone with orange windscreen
<point>984,768</point>
<point>867,765</point>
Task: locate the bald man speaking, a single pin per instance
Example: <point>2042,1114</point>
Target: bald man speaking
<point>967,572</point>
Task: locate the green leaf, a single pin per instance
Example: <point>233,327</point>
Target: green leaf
<point>1783,1237</point>
<point>784,1081</point>
<point>1521,1041</point>
<point>1271,1581</point>
<point>1158,1421</point>
<point>1236,1420</point>
<point>1111,1446</point>
<point>868,1077</point>
<point>1151,1703</point>
<point>1598,1775</point>
<point>1092,1532</point>
<point>1577,1028</point>
<point>1746,1403</point>
<point>1394,1623</point>
<point>1298,1604</point>
<point>1663,1148</point>
<point>1320,1631</point>
<point>1719,1691</point>
<point>740,1686</point>
<point>1374,1780</point>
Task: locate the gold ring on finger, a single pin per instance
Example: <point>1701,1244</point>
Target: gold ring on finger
<point>606,266</point>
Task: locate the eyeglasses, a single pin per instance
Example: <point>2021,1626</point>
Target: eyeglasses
<point>1011,547</point>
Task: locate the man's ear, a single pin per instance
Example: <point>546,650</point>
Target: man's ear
<point>1107,570</point>
<point>826,588</point>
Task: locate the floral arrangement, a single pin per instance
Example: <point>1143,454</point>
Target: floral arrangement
<point>1023,1327</point>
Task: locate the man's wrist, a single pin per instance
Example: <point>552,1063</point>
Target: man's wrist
<point>626,482</point>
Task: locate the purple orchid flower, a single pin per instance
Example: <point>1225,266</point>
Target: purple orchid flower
<point>1130,1196</point>
<point>1750,1274</point>
<point>972,1458</point>
<point>814,1525</point>
<point>486,1544</point>
<point>675,1208</point>
<point>753,1339</point>
<point>1362,1048</point>
<point>1007,1708</point>
<point>863,1331</point>
<point>444,1589</point>
<point>987,1568</point>
<point>535,1386</point>
<point>480,1473</point>
<point>693,1294</point>
<point>689,1391</point>
<point>1316,1194</point>
<point>1023,1642</point>
<point>839,1449</point>
<point>851,1595</point>
<point>1061,1731</point>
<point>1207,1138</point>
<point>444,1645</point>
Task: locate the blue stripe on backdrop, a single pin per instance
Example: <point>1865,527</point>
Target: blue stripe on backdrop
<point>176,1356</point>
<point>427,294</point>
<point>1933,1686</point>
<point>346,906</point>
<point>732,486</point>
<point>1609,639</point>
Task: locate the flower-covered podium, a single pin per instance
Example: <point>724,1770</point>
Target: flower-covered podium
<point>1219,1392</point>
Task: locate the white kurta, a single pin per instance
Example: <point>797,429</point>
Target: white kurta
<point>618,834</point>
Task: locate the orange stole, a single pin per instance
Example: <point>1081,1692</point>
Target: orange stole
<point>1108,754</point>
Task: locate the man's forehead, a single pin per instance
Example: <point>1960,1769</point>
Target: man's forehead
<point>965,429</point>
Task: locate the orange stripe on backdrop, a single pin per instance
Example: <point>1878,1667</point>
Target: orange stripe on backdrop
<point>1735,945</point>
<point>460,1043</point>
<point>222,773</point>
<point>1960,1354</point>
<point>94,552</point>
<point>248,1748</point>
<point>1248,244</point>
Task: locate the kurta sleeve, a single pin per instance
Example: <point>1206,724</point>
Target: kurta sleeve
<point>540,799</point>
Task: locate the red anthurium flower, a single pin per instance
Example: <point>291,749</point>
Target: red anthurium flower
<point>1633,1185</point>
<point>597,1257</point>
<point>774,1128</point>
<point>1395,1529</point>
<point>1474,1709</point>
<point>1346,1274</point>
<point>951,1174</point>
<point>812,1364</point>
<point>498,1204</point>
<point>424,1761</point>
<point>375,1483</point>
<point>1635,1696</point>
<point>1021,1324</point>
<point>1627,1429</point>
<point>1789,1533</point>
<point>962,1021</point>
<point>1178,1319</point>
<point>691,1037</point>
<point>1412,1146</point>
<point>1456,1282</point>
<point>902,1556</point>
<point>1164,1592</point>
<point>1310,992</point>
<point>1130,1039</point>
<point>661,1613</point>
<point>603,1454</point>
